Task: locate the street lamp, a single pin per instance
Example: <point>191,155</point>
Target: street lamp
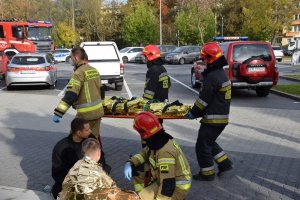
<point>160,27</point>
<point>73,16</point>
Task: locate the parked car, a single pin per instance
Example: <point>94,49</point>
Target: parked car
<point>251,65</point>
<point>287,52</point>
<point>62,55</point>
<point>106,58</point>
<point>31,69</point>
<point>164,50</point>
<point>183,54</point>
<point>278,53</point>
<point>128,54</point>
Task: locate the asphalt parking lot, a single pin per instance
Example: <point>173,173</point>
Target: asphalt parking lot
<point>262,138</point>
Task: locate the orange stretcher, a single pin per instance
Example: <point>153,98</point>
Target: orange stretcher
<point>158,116</point>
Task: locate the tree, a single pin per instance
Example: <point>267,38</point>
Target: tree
<point>64,35</point>
<point>141,25</point>
<point>263,20</point>
<point>196,24</point>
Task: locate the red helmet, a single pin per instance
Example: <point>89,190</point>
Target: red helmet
<point>211,52</point>
<point>146,124</point>
<point>151,52</point>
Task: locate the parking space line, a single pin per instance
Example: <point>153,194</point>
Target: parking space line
<point>3,88</point>
<point>127,89</point>
<point>188,87</point>
<point>63,91</point>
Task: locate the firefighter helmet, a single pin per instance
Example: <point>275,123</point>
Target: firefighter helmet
<point>151,52</point>
<point>146,124</point>
<point>211,52</point>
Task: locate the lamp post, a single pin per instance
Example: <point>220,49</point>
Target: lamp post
<point>73,16</point>
<point>160,25</point>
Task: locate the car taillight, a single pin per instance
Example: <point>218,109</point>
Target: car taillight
<point>47,68</point>
<point>121,68</point>
<point>12,69</point>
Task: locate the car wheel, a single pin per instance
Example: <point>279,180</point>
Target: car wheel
<point>118,86</point>
<point>193,80</point>
<point>68,59</point>
<point>125,59</point>
<point>9,88</point>
<point>279,60</point>
<point>262,91</point>
<point>181,61</point>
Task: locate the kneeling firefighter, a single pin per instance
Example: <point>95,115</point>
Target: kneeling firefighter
<point>170,170</point>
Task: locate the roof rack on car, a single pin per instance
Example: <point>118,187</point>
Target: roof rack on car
<point>227,39</point>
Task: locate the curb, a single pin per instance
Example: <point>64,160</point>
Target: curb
<point>289,78</point>
<point>284,94</point>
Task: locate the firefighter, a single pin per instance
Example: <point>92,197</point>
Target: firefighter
<point>83,93</point>
<point>170,171</point>
<point>213,106</point>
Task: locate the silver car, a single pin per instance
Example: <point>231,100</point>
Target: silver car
<point>31,69</point>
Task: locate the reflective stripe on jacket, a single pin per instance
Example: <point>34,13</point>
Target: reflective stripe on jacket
<point>85,83</point>
<point>214,98</point>
<point>165,163</point>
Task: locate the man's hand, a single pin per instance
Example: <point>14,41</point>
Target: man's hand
<point>56,118</point>
<point>128,171</point>
<point>190,115</point>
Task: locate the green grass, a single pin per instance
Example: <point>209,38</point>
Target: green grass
<point>296,76</point>
<point>291,89</point>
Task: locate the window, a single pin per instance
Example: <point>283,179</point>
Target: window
<point>17,32</point>
<point>1,32</point>
<point>28,60</point>
<point>136,50</point>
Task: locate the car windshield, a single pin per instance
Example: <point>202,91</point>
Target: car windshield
<point>242,52</point>
<point>179,49</point>
<point>124,50</point>
<point>39,33</point>
<point>28,60</point>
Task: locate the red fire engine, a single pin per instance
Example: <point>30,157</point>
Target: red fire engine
<point>30,36</point>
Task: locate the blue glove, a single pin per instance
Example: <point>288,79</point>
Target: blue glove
<point>128,171</point>
<point>56,118</point>
<point>190,115</point>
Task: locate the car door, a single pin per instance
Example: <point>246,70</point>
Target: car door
<point>133,53</point>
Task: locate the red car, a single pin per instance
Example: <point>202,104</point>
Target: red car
<point>251,64</point>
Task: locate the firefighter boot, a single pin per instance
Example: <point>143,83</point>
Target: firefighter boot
<point>224,167</point>
<point>201,177</point>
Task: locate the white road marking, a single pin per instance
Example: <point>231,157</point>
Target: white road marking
<point>188,87</point>
<point>296,102</point>
<point>62,92</point>
<point>2,88</point>
<point>127,89</point>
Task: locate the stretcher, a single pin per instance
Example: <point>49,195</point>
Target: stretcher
<point>133,116</point>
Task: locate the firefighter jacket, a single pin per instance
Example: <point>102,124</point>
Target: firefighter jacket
<point>87,180</point>
<point>64,155</point>
<point>83,93</point>
<point>169,169</point>
<point>214,97</point>
<point>157,81</point>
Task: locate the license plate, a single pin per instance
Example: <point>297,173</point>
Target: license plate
<point>256,69</point>
<point>27,72</point>
<point>104,81</point>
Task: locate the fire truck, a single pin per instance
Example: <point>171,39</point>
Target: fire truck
<point>29,36</point>
<point>251,65</point>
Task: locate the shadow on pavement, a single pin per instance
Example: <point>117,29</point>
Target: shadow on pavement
<point>27,164</point>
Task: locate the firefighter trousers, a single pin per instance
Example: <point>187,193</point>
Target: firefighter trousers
<point>207,149</point>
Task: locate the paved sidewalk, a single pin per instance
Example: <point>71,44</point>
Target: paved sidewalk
<point>12,193</point>
<point>262,141</point>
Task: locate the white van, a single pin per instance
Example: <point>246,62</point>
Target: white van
<point>105,57</point>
